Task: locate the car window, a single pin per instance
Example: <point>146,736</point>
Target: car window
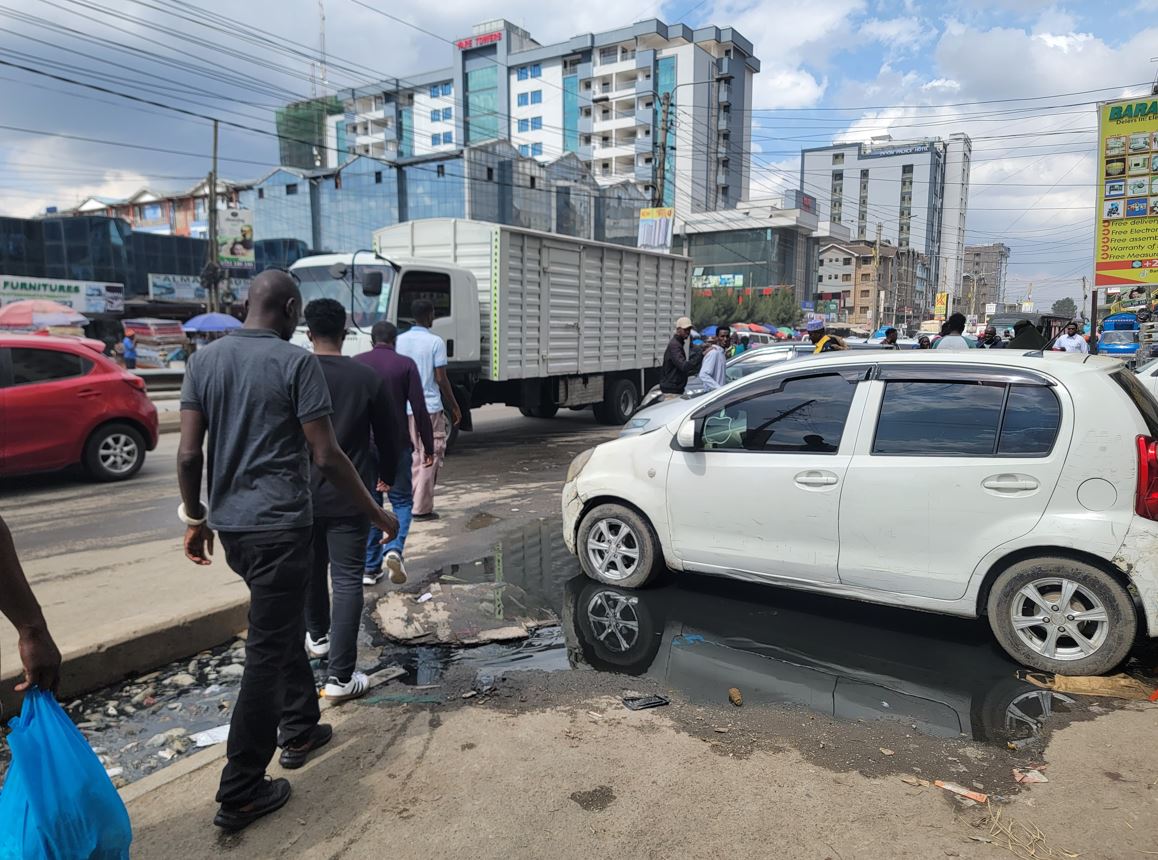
<point>805,415</point>
<point>939,419</point>
<point>45,365</point>
<point>1141,398</point>
<point>1031,422</point>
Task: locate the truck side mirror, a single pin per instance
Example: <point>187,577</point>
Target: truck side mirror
<point>372,284</point>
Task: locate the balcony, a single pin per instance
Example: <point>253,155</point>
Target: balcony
<point>645,116</point>
<point>644,172</point>
<point>724,122</point>
<point>644,86</point>
<point>644,143</point>
<point>614,120</point>
<point>586,124</point>
<point>725,94</point>
<point>721,177</point>
<point>613,150</point>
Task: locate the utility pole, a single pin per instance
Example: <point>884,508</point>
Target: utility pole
<point>1093,299</point>
<point>211,274</point>
<point>661,156</point>
<point>878,305</point>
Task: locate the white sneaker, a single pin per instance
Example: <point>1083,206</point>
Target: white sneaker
<point>371,577</point>
<point>396,567</point>
<point>319,647</point>
<point>336,692</point>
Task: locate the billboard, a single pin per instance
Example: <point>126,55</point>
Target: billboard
<point>1126,245</point>
<point>235,238</point>
<point>941,308</point>
<point>655,229</point>
<point>176,288</point>
<point>88,297</point>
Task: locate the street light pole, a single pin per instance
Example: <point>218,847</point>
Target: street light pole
<point>664,127</point>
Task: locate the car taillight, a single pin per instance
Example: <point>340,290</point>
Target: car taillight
<point>135,381</point>
<point>1146,497</point>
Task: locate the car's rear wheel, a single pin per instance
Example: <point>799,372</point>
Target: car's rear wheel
<point>618,547</point>
<point>114,452</point>
<point>1062,616</point>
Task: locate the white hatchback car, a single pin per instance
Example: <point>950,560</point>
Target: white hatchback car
<point>1022,487</point>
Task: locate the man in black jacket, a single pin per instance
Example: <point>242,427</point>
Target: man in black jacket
<point>677,367</point>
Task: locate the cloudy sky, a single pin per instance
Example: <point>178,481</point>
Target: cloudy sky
<point>1019,76</point>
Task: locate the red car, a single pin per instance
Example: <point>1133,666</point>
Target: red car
<point>63,402</point>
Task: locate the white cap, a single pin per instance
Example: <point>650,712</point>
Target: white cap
<point>683,322</point>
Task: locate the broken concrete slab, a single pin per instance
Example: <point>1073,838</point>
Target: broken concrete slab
<point>462,614</point>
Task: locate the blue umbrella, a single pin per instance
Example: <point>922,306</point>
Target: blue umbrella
<point>709,331</point>
<point>211,322</point>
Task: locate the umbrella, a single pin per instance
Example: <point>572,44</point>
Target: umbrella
<point>212,322</point>
<point>39,313</point>
<point>710,331</point>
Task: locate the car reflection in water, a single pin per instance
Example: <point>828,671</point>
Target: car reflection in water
<point>848,661</point>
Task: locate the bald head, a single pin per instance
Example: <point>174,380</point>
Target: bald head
<point>274,303</point>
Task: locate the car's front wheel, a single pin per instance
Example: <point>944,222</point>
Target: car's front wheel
<point>1062,616</point>
<point>618,547</point>
<point>114,452</point>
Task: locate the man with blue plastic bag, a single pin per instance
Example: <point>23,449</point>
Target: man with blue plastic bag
<point>266,410</point>
<point>57,800</point>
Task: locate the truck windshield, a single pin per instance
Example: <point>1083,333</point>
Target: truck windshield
<point>1119,337</point>
<point>317,283</point>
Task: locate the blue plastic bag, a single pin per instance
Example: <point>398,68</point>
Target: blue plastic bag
<point>57,802</point>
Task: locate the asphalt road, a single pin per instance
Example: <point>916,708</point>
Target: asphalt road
<point>64,512</point>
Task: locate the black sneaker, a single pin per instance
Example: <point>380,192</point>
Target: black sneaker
<point>271,797</point>
<point>422,518</point>
<point>293,757</point>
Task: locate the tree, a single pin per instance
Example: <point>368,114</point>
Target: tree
<point>1065,307</point>
<point>778,309</point>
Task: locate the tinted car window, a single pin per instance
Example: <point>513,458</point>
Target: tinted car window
<point>45,365</point>
<point>939,419</point>
<point>1030,425</point>
<point>1141,398</point>
<point>806,415</point>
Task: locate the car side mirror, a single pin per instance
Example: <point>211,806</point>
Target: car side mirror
<point>372,284</point>
<point>686,435</point>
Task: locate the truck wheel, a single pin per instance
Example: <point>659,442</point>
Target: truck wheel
<point>620,400</point>
<point>540,410</point>
<point>1062,616</point>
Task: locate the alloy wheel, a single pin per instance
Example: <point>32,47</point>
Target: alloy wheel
<point>1059,618</point>
<point>118,453</point>
<point>614,620</point>
<point>613,549</point>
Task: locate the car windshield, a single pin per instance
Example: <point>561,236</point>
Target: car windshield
<point>1119,337</point>
<point>316,282</point>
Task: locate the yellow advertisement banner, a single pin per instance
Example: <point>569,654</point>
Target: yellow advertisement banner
<point>941,308</point>
<point>1126,245</point>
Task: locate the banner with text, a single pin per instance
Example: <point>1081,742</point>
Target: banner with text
<point>1126,245</point>
<point>235,239</point>
<point>655,229</point>
<point>88,297</point>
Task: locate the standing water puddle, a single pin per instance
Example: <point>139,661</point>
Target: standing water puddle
<point>697,636</point>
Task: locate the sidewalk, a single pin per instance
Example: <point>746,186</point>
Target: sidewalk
<point>582,781</point>
<point>117,611</point>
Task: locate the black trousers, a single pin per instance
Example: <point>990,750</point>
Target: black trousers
<point>340,551</point>
<point>278,701</point>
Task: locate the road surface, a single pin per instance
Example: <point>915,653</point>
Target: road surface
<point>65,513</point>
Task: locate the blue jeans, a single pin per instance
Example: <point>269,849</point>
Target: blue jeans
<point>402,501</point>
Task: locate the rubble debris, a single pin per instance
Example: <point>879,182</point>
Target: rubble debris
<point>968,793</point>
<point>641,703</point>
<point>1120,686</point>
<point>462,614</point>
<point>1028,776</point>
<point>735,697</point>
<point>886,751</point>
<point>209,737</point>
<point>915,781</point>
<point>182,679</point>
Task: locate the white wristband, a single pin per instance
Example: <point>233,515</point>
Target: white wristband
<point>188,520</point>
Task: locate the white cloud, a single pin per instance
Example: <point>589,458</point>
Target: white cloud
<point>904,33</point>
<point>940,84</point>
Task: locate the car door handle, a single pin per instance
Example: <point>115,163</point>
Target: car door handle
<point>1010,484</point>
<point>88,392</point>
<point>816,479</point>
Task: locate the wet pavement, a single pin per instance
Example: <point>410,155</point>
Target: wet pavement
<point>792,656</point>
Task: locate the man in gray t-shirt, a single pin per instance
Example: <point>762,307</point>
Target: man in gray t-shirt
<point>266,409</point>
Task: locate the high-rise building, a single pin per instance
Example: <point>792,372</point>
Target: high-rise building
<point>911,194</point>
<point>983,278</point>
<point>597,95</point>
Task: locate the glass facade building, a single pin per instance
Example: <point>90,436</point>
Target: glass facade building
<point>765,257</point>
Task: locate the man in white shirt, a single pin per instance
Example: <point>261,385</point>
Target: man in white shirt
<point>713,370</point>
<point>1071,341</point>
<point>428,351</point>
<point>954,338</point>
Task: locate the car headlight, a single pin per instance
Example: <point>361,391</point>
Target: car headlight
<point>577,465</point>
<point>636,424</point>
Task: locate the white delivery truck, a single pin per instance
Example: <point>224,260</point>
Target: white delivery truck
<point>530,319</point>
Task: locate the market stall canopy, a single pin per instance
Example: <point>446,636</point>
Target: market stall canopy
<point>39,313</point>
<point>211,322</point>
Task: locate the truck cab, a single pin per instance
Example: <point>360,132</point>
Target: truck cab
<point>451,289</point>
<point>1119,336</point>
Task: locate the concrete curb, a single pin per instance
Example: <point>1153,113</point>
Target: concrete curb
<point>169,422</point>
<point>91,667</point>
